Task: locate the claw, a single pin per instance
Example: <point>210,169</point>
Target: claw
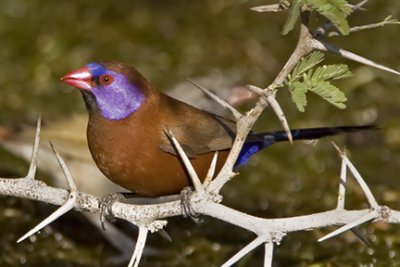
<point>105,204</point>
<point>186,207</point>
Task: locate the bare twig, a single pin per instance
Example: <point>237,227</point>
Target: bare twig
<point>269,8</point>
<point>387,21</point>
<point>67,206</point>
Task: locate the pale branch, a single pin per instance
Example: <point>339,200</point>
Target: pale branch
<point>245,124</point>
<point>269,8</point>
<point>359,6</point>
<point>386,21</point>
<point>36,190</point>
<point>148,217</point>
<point>255,89</point>
<point>67,206</point>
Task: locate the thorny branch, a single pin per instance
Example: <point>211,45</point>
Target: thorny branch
<point>205,199</point>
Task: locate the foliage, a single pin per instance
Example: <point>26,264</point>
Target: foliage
<point>334,10</point>
<point>307,77</point>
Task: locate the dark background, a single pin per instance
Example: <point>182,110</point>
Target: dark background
<point>167,40</point>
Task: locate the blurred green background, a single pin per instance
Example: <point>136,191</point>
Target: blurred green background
<point>167,40</point>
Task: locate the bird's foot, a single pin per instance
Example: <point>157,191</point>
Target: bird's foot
<point>105,204</point>
<point>187,209</point>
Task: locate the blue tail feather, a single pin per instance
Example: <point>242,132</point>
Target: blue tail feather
<point>259,141</point>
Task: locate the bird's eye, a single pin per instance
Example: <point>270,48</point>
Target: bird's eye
<point>106,79</point>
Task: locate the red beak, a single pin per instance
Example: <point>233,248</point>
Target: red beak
<point>80,78</point>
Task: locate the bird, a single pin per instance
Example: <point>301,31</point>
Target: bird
<point>128,121</point>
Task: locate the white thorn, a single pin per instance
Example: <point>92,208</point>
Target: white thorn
<point>188,165</point>
<point>140,244</point>
<point>367,192</point>
<point>349,55</point>
<point>67,174</point>
<point>70,204</point>
<point>367,217</point>
<point>35,150</point>
<point>281,116</point>
<point>211,171</point>
<point>251,246</point>
<point>269,251</point>
<point>67,206</point>
<point>342,186</point>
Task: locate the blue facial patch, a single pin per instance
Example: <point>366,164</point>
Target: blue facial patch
<point>118,99</point>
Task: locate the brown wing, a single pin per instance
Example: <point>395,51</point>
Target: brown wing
<point>197,131</point>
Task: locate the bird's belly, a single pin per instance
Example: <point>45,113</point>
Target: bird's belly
<point>147,170</point>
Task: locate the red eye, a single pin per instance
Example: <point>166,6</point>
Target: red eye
<point>106,79</point>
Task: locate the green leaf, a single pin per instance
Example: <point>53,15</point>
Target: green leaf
<point>298,91</point>
<point>328,72</point>
<point>306,76</point>
<point>306,64</point>
<point>334,10</point>
<point>294,13</point>
<point>330,93</point>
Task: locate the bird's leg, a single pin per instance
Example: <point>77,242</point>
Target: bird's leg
<point>105,204</point>
<point>187,210</point>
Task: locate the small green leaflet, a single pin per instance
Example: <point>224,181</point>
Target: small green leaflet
<point>334,10</point>
<point>294,13</point>
<point>307,77</point>
<point>306,64</point>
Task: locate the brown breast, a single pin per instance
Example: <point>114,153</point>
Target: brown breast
<point>128,151</point>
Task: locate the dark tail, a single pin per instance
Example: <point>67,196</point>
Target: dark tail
<point>259,141</point>
<point>316,133</point>
<point>269,138</point>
